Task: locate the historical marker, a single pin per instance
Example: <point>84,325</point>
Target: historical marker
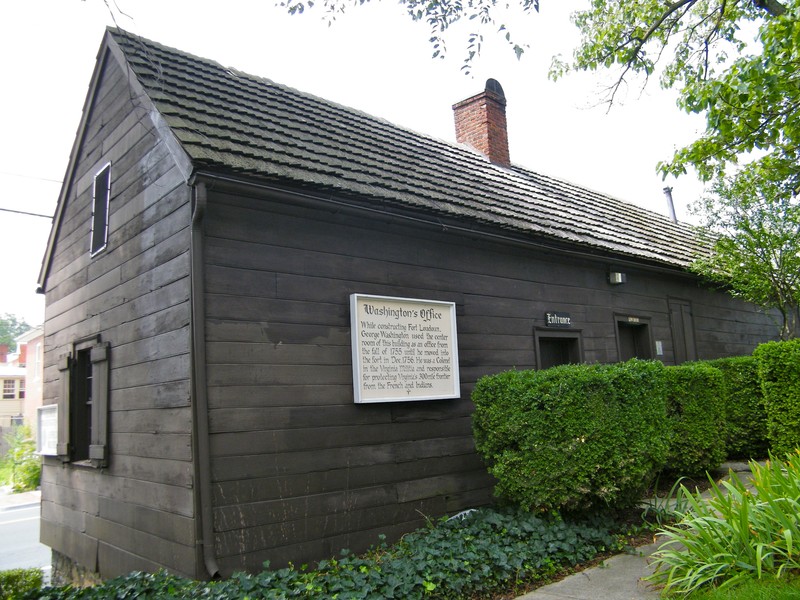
<point>403,349</point>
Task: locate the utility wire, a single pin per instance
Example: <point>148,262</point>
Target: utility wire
<point>30,177</point>
<point>30,214</point>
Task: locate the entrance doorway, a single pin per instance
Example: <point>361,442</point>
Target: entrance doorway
<point>633,338</point>
<point>557,348</point>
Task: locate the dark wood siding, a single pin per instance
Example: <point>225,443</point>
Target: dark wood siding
<point>299,470</point>
<point>139,512</point>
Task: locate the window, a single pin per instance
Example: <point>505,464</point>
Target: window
<point>21,389</point>
<point>555,348</point>
<point>83,416</point>
<point>8,389</point>
<point>101,196</point>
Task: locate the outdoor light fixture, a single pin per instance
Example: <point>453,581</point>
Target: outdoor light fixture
<point>616,278</point>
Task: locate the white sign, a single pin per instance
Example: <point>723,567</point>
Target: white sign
<point>403,349</point>
<point>47,427</point>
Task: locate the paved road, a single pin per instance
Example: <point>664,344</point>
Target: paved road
<point>19,539</point>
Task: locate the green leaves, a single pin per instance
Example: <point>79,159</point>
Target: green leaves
<point>21,466</point>
<point>573,437</point>
<point>10,328</point>
<point>735,534</point>
<point>752,224</point>
<point>748,90</point>
<point>15,583</point>
<point>469,556</point>
<point>779,374</point>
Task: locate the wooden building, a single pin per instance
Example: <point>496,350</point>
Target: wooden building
<point>211,231</point>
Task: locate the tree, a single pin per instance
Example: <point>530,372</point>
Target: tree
<point>10,328</point>
<point>748,92</point>
<point>440,16</point>
<point>755,226</point>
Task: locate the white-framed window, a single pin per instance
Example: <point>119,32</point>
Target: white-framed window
<point>9,389</point>
<point>101,198</point>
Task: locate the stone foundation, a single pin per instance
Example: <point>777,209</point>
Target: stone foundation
<point>68,572</point>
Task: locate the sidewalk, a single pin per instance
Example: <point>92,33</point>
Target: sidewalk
<point>10,501</point>
<point>619,577</point>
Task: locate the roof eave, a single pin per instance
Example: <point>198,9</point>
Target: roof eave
<point>311,196</point>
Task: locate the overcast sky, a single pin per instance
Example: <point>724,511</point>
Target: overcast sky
<point>372,58</point>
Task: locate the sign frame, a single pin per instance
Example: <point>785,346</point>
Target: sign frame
<point>47,430</point>
<point>403,349</point>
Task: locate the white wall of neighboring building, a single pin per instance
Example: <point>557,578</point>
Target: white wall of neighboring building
<point>34,374</point>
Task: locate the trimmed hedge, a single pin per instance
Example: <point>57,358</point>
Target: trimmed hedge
<point>573,437</point>
<point>745,414</point>
<point>696,410</point>
<point>779,373</point>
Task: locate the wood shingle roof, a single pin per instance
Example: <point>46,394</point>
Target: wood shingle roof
<point>238,124</point>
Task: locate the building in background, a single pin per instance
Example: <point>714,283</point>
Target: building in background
<point>12,376</point>
<point>32,341</point>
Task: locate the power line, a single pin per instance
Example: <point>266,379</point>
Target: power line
<point>30,177</point>
<point>30,214</point>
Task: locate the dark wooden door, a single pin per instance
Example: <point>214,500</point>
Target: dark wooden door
<point>683,341</point>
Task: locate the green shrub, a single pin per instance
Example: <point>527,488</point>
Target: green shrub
<point>779,374</point>
<point>695,408</point>
<point>463,557</point>
<point>16,583</point>
<point>736,534</point>
<point>745,414</point>
<point>22,466</point>
<point>573,437</point>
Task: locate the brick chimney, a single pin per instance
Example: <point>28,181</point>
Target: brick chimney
<point>481,123</point>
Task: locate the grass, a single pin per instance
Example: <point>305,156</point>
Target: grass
<point>753,590</point>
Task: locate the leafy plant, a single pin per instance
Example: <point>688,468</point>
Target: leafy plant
<point>483,551</point>
<point>16,583</point>
<point>661,510</point>
<point>736,534</point>
<point>22,466</point>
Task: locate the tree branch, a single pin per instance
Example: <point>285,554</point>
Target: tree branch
<point>773,7</point>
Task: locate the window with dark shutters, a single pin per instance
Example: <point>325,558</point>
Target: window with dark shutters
<point>83,416</point>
